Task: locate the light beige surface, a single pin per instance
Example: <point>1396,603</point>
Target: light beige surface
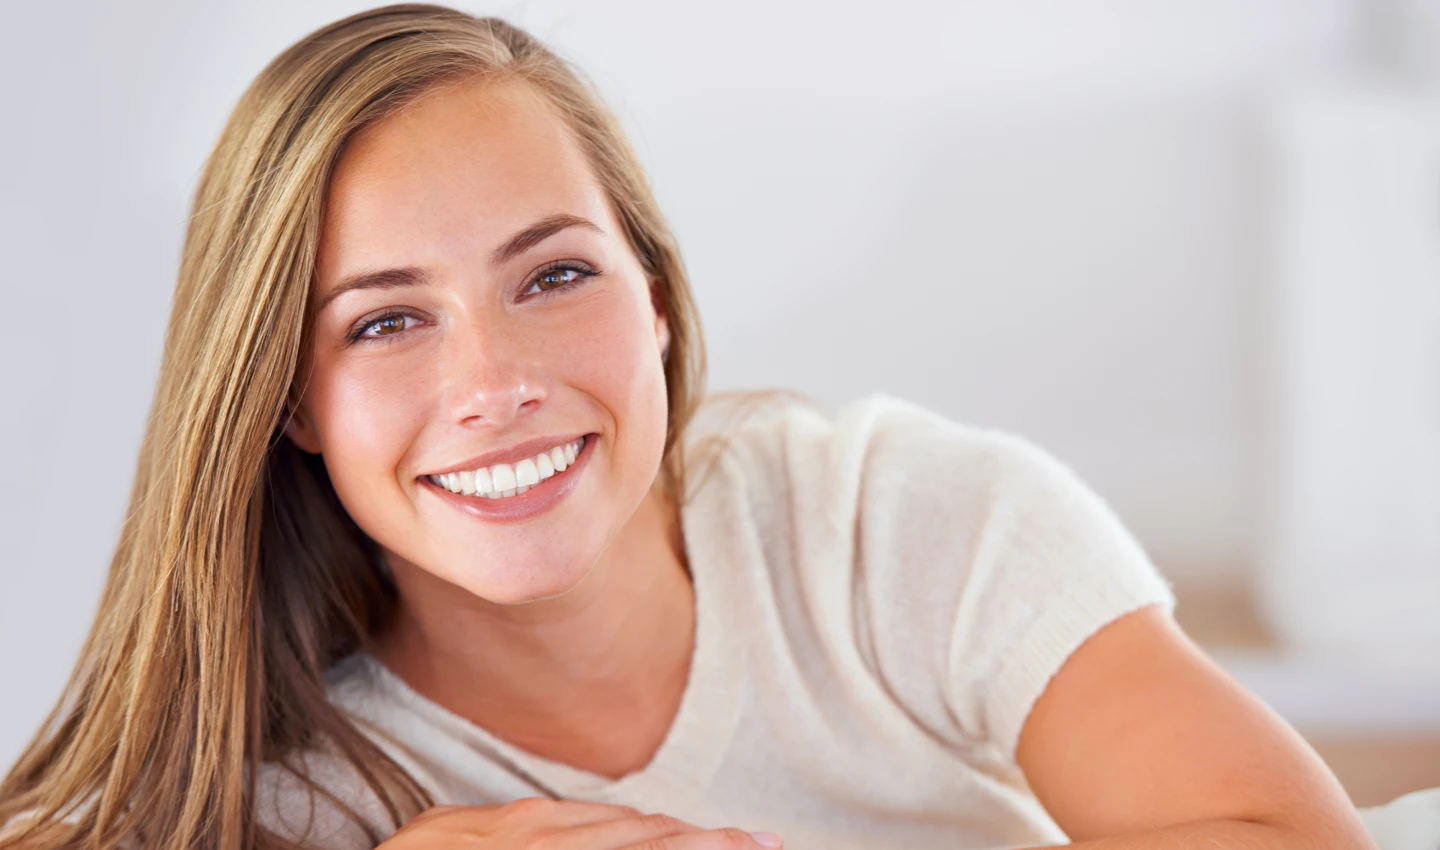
<point>1377,769</point>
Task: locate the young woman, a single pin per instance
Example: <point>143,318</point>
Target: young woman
<point>424,551</point>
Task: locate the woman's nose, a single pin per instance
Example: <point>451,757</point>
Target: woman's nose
<point>493,376</point>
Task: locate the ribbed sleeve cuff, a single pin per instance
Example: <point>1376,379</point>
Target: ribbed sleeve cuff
<point>1070,619</point>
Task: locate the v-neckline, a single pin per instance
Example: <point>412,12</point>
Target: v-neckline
<point>703,726</point>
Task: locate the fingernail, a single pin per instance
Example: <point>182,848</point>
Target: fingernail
<point>769,839</point>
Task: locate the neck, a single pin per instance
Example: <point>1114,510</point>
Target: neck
<point>615,649</point>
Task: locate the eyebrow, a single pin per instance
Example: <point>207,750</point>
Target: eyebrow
<point>416,276</point>
<point>383,279</point>
<point>537,233</point>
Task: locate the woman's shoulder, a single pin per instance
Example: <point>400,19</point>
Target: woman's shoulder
<point>873,450</point>
<point>901,508</point>
<point>939,502</point>
<point>963,562</point>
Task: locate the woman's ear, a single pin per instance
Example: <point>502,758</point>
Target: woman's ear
<point>662,335</point>
<point>662,325</point>
<point>301,430</point>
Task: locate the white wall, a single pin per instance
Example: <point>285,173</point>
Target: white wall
<point>1045,216</point>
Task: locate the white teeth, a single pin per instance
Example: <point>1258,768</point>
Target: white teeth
<point>504,479</point>
<point>503,476</point>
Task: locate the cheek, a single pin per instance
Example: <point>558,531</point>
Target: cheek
<point>368,412</point>
<point>614,357</point>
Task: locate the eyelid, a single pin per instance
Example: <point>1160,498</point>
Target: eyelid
<point>357,331</point>
<point>584,269</point>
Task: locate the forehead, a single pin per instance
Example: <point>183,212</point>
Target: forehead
<point>453,175</point>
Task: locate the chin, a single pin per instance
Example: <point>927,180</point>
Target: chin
<point>517,584</point>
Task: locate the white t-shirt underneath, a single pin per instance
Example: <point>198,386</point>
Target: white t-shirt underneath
<point>881,597</point>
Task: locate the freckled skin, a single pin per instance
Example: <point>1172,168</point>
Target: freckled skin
<point>484,363</point>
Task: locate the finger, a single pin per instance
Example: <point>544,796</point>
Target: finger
<point>712,839</point>
<point>562,814</point>
<point>434,812</point>
<point>531,813</point>
<point>441,809</point>
<point>640,830</point>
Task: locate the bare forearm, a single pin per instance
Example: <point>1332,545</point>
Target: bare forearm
<point>1233,835</point>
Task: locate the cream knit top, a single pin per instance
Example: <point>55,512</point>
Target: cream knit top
<point>881,596</point>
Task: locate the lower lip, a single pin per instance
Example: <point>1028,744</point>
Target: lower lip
<point>533,502</point>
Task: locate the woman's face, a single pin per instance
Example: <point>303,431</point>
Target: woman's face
<point>478,306</point>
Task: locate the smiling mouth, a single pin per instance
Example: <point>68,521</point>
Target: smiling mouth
<point>505,480</point>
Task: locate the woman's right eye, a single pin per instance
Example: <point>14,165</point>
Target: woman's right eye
<point>388,325</point>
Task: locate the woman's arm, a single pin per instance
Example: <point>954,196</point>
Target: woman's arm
<point>1141,741</point>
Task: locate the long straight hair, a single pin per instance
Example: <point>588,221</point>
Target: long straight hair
<point>239,578</point>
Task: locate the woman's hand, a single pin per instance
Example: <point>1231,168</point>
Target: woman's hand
<point>535,822</point>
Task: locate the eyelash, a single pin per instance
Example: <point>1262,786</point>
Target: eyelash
<point>585,272</point>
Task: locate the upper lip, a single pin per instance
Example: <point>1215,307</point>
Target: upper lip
<point>513,454</point>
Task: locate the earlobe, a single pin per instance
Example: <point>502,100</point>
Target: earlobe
<point>300,431</point>
<point>662,326</point>
<point>662,335</point>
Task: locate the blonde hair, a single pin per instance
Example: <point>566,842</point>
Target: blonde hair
<point>239,579</point>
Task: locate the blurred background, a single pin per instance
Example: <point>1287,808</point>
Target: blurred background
<point>1192,247</point>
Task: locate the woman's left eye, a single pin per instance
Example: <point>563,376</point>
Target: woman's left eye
<point>556,278</point>
<point>387,325</point>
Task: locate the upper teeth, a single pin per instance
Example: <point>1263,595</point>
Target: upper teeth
<point>505,479</point>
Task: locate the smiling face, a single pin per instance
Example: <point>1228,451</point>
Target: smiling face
<point>478,303</point>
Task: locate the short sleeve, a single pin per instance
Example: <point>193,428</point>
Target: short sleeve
<point>986,562</point>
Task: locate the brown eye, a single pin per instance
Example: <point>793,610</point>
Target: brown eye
<point>388,325</point>
<point>560,277</point>
<point>555,278</point>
